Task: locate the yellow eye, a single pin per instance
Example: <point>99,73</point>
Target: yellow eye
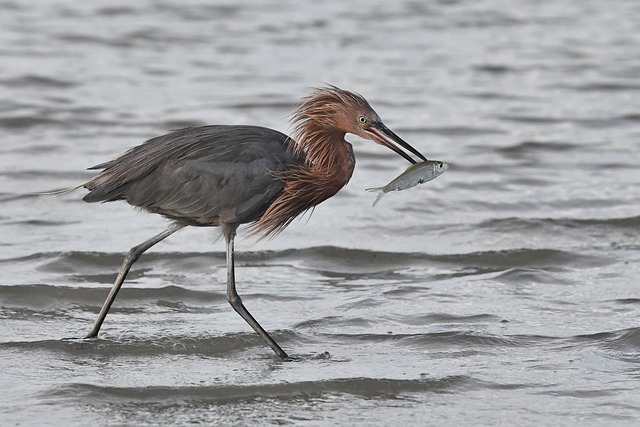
<point>362,120</point>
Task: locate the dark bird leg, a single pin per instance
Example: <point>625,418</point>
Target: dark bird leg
<point>236,302</point>
<point>131,257</point>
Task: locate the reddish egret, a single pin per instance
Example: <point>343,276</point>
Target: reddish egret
<point>225,176</point>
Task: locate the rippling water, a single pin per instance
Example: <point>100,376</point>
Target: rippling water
<point>503,293</point>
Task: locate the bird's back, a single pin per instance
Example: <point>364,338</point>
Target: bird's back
<point>199,176</point>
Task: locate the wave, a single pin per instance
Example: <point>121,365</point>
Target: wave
<point>603,86</point>
<point>453,130</point>
<point>530,146</point>
<point>38,81</point>
<point>327,261</point>
<point>513,224</point>
<point>24,122</point>
<point>585,122</point>
<point>449,340</point>
<point>359,386</point>
<point>625,341</point>
<point>622,344</point>
<point>332,258</point>
<point>43,296</point>
<point>109,345</point>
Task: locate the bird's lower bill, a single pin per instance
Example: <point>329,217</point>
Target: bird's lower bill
<point>384,136</point>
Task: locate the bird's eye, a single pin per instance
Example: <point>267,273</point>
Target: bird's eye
<point>362,120</point>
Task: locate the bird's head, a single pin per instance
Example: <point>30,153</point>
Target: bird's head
<point>333,110</point>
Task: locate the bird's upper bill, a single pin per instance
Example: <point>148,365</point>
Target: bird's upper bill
<point>382,135</point>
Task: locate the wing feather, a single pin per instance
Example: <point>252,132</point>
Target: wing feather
<point>199,176</point>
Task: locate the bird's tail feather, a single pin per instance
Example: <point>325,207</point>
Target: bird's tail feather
<point>59,192</point>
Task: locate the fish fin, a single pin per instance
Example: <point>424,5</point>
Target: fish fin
<point>380,191</point>
<point>373,189</point>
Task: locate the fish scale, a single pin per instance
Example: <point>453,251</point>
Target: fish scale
<point>412,176</point>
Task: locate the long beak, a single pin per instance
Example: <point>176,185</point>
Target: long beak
<point>384,136</point>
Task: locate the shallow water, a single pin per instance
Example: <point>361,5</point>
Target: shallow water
<point>503,293</point>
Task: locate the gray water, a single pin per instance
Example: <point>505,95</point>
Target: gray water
<point>505,292</point>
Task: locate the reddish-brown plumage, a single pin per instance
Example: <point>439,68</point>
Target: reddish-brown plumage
<point>320,124</point>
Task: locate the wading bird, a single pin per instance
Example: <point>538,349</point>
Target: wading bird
<point>224,176</point>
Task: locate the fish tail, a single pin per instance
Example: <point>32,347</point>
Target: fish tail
<point>380,191</point>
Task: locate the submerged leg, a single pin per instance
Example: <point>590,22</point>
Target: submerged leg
<point>236,302</point>
<point>131,257</point>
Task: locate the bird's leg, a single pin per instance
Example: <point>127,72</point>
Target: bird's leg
<point>131,257</point>
<point>236,302</point>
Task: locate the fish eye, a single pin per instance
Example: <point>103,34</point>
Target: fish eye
<point>362,120</point>
<point>440,165</point>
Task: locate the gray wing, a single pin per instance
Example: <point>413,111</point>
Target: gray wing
<point>199,176</point>
<point>204,193</point>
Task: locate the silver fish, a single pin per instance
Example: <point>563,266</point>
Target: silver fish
<point>414,175</point>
